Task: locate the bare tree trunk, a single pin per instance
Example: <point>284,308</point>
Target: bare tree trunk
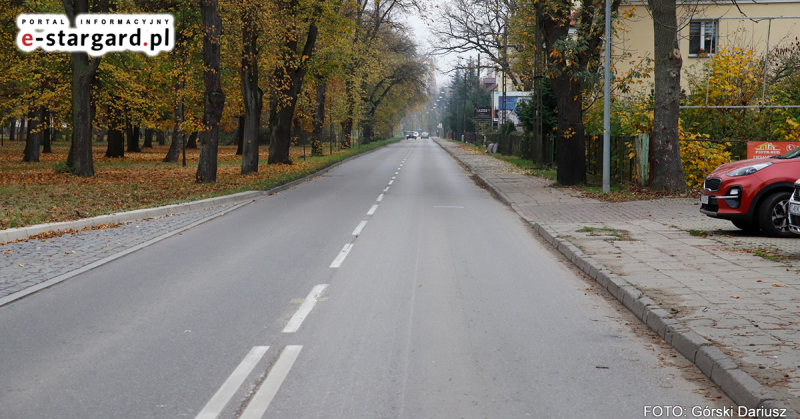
<point>80,158</point>
<point>148,138</point>
<point>214,96</point>
<point>319,119</point>
<point>571,149</point>
<point>31,123</point>
<point>35,133</point>
<point>281,133</point>
<point>12,133</point>
<point>347,123</point>
<point>116,136</point>
<point>23,128</point>
<point>133,139</point>
<point>666,167</point>
<point>237,139</point>
<point>252,95</point>
<point>47,138</point>
<point>192,142</point>
<point>161,137</point>
<point>175,149</point>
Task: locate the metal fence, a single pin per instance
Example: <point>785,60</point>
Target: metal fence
<point>629,163</point>
<point>629,157</point>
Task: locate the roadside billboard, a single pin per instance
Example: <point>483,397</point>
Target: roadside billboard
<point>505,107</point>
<point>759,149</point>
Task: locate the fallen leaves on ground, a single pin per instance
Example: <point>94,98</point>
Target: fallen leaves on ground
<point>633,193</point>
<point>33,193</point>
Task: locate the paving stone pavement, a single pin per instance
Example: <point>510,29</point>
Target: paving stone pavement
<point>30,262</point>
<point>717,285</point>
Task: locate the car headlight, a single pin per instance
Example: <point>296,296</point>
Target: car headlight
<point>749,170</point>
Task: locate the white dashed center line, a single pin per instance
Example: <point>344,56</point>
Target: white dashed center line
<point>359,227</point>
<point>372,210</point>
<point>305,309</point>
<point>380,198</point>
<point>391,181</point>
<point>343,254</point>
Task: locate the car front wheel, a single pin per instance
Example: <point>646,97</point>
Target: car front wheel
<point>773,215</point>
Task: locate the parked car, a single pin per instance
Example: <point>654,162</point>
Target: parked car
<point>794,209</point>
<point>424,135</point>
<point>753,194</point>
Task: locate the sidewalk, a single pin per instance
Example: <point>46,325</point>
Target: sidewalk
<point>746,305</point>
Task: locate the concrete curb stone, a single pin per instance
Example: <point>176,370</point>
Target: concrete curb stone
<point>121,217</point>
<point>742,388</point>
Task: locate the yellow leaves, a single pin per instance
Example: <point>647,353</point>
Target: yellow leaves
<point>701,157</point>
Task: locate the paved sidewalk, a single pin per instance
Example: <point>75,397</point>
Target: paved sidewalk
<point>746,305</point>
<point>24,264</point>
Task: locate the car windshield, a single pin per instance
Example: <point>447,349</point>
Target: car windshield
<point>791,154</point>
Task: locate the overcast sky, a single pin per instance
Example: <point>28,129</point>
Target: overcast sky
<point>418,27</point>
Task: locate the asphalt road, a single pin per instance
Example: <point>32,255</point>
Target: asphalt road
<point>340,298</point>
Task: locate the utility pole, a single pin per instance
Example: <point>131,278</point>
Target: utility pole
<point>464,121</point>
<point>607,105</point>
<point>505,61</point>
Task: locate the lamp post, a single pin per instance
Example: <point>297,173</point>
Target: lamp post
<point>607,105</point>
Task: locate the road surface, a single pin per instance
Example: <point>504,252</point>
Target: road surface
<point>391,287</point>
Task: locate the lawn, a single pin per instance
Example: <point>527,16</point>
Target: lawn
<point>33,193</point>
<point>620,192</point>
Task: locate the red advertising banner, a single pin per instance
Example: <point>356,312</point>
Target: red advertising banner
<point>759,149</point>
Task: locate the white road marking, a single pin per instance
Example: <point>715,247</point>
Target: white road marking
<point>387,189</point>
<point>372,210</point>
<point>397,172</point>
<point>359,227</point>
<point>260,402</point>
<point>305,309</point>
<point>393,177</point>
<point>391,181</point>
<point>224,394</point>
<point>343,254</point>
<point>380,198</point>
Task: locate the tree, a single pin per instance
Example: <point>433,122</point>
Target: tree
<point>80,159</point>
<point>369,19</point>
<point>252,95</point>
<point>289,76</point>
<point>400,65</point>
<point>483,26</point>
<point>571,61</point>
<point>116,138</point>
<point>35,133</point>
<point>666,166</point>
<point>214,96</point>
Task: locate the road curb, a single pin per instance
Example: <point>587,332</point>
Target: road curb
<point>22,233</point>
<point>741,387</point>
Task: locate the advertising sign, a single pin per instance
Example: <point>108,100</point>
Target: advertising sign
<point>759,149</point>
<point>505,107</point>
<point>482,116</point>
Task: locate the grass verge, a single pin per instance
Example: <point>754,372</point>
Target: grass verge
<point>33,193</point>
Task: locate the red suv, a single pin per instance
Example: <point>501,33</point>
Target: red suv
<point>754,194</point>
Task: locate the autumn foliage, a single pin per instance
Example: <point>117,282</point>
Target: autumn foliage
<point>295,89</point>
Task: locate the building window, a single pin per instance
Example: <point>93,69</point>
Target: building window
<point>702,37</point>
